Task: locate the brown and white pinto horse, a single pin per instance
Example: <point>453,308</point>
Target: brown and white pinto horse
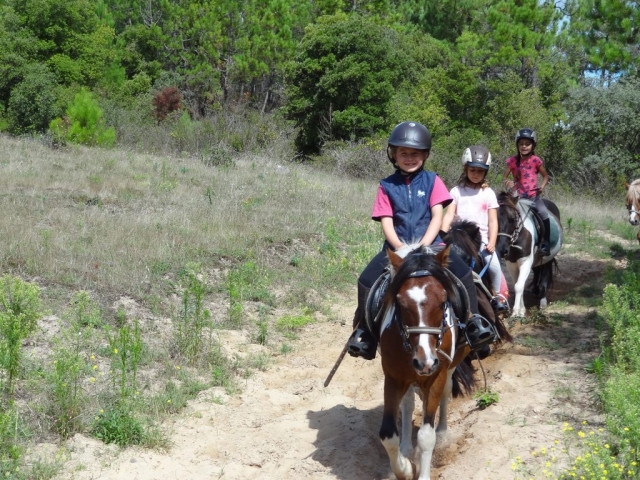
<point>419,348</point>
<point>633,202</point>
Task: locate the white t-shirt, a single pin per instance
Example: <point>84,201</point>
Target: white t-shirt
<point>473,204</point>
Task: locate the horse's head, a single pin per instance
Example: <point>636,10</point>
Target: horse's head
<point>508,218</point>
<point>420,288</point>
<point>633,201</point>
<point>465,237</point>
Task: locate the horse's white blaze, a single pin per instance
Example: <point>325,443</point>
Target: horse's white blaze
<point>418,295</point>
<point>426,443</point>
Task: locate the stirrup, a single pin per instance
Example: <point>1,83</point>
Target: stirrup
<point>479,332</point>
<point>362,344</point>
<point>499,303</point>
<point>544,249</point>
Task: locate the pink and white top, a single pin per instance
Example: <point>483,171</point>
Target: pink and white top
<point>525,176</point>
<point>473,204</point>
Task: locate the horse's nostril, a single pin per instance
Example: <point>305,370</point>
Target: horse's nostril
<point>417,364</point>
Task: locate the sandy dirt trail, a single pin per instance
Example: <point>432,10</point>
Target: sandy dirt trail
<point>286,425</point>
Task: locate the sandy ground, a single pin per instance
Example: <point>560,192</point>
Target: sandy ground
<point>286,425</point>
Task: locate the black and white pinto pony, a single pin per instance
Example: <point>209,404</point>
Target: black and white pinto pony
<point>633,203</point>
<point>519,232</point>
<point>420,348</point>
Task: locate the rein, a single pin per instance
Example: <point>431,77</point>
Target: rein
<point>447,324</point>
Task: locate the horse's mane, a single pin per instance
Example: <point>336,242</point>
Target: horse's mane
<point>633,192</point>
<point>418,259</point>
<point>505,198</point>
<point>465,236</point>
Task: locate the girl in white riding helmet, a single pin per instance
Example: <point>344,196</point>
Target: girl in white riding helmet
<point>475,201</point>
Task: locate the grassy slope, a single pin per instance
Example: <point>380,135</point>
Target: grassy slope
<point>118,223</point>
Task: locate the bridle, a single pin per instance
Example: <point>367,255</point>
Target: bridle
<point>447,324</point>
<point>513,237</point>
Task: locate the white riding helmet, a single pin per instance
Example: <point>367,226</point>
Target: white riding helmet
<point>476,156</point>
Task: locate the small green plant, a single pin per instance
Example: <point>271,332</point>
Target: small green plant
<point>248,281</point>
<point>72,364</point>
<point>263,332</point>
<point>291,324</point>
<point>485,399</point>
<point>118,425</point>
<point>193,318</point>
<point>10,449</point>
<point>19,312</point>
<point>126,351</point>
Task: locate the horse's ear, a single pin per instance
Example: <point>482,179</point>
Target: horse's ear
<point>443,256</point>
<point>394,259</point>
<point>626,185</point>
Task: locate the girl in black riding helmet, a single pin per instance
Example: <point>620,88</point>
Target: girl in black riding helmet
<point>409,205</point>
<point>524,167</point>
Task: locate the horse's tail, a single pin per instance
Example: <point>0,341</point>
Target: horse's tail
<point>503,331</point>
<point>544,276</point>
<point>463,379</point>
<point>465,237</point>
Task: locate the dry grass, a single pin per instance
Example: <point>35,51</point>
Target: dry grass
<point>108,219</point>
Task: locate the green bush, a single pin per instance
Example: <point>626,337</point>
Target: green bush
<point>19,311</point>
<point>83,123</point>
<point>118,425</point>
<point>32,101</point>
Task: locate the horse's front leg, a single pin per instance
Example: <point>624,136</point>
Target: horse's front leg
<point>406,415</point>
<point>427,432</point>
<point>444,403</point>
<point>400,465</point>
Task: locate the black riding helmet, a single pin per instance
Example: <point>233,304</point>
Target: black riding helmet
<point>409,134</point>
<point>526,133</point>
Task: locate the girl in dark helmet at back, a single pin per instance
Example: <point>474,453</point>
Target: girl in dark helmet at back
<point>525,167</point>
<point>409,206</point>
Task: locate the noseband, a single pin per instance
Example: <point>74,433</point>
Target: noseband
<point>447,324</point>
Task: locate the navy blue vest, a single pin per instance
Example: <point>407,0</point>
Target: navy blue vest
<point>410,204</point>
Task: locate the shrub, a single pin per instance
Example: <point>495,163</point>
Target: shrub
<point>32,101</point>
<point>19,311</point>
<point>166,101</point>
<point>118,425</point>
<point>83,123</point>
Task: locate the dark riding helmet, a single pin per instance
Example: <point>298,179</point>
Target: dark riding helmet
<point>526,133</point>
<point>477,156</point>
<point>409,134</point>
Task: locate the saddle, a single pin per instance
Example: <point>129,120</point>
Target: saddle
<point>555,234</point>
<point>537,219</point>
<point>373,307</point>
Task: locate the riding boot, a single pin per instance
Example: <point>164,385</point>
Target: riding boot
<point>545,248</point>
<point>362,343</point>
<point>480,333</point>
